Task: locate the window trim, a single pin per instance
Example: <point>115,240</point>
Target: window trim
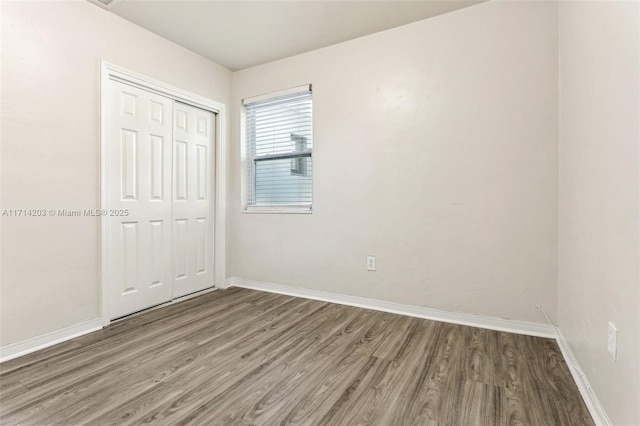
<point>248,160</point>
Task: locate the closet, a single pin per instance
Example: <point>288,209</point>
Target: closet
<point>157,199</point>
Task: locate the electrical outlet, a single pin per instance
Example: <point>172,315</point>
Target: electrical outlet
<point>612,342</point>
<point>371,263</point>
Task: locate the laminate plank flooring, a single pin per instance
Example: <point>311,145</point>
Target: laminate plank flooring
<point>243,357</point>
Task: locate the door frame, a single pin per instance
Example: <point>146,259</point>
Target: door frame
<point>110,72</point>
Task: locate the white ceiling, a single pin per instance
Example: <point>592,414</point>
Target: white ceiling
<point>239,34</point>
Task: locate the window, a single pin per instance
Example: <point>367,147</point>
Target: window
<point>279,150</point>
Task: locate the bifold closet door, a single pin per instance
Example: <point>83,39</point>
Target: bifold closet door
<point>193,159</point>
<point>139,200</point>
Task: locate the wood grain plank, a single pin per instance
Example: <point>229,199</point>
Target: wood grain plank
<point>10,389</point>
<point>517,411</point>
<point>553,385</point>
<point>481,404</point>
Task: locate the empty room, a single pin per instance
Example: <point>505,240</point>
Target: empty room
<point>320,212</point>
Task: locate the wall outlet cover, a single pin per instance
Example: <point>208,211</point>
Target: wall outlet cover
<point>371,263</point>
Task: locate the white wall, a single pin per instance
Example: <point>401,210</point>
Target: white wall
<point>599,270</point>
<point>51,54</point>
<point>435,149</point>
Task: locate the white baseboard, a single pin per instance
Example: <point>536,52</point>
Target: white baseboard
<point>592,402</point>
<point>519,327</point>
<point>15,350</point>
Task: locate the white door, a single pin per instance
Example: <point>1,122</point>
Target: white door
<point>193,160</point>
<point>139,185</point>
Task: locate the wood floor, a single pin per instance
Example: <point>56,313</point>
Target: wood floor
<point>242,357</point>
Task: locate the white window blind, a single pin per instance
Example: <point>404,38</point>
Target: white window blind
<point>279,149</point>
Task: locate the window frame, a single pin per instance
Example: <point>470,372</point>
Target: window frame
<point>249,159</point>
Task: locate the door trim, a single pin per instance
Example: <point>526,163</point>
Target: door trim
<point>111,72</point>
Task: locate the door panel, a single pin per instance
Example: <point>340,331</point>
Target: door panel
<point>181,253</point>
<point>156,155</point>
<point>194,140</point>
<point>139,162</point>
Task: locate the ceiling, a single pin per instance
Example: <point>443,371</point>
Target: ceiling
<point>239,34</point>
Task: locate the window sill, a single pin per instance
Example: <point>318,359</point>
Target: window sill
<point>277,210</point>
